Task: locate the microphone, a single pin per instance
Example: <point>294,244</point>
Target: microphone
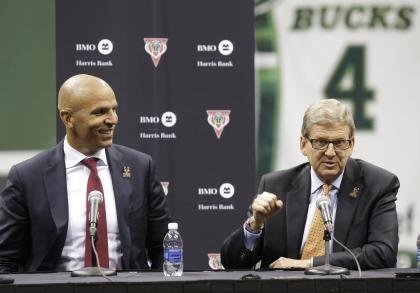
<point>95,197</point>
<point>323,204</point>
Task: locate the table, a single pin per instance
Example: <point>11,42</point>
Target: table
<point>382,281</point>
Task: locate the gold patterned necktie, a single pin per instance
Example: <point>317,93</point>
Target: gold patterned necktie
<point>315,244</point>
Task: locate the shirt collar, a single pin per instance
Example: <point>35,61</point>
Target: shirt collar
<point>316,183</point>
<point>73,157</point>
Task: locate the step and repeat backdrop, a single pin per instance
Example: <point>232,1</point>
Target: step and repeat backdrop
<point>183,74</point>
<point>365,53</point>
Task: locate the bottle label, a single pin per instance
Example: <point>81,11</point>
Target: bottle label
<point>418,256</point>
<point>173,255</point>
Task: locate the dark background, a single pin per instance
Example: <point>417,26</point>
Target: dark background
<point>196,158</point>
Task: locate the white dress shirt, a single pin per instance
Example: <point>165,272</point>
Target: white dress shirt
<point>316,192</point>
<point>77,174</point>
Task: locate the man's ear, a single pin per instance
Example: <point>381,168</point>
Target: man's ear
<point>66,118</point>
<point>303,146</point>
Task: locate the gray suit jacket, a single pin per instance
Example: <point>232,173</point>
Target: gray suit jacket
<point>366,221</point>
<point>34,211</point>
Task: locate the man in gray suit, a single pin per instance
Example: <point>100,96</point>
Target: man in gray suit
<point>280,231</point>
<point>43,205</point>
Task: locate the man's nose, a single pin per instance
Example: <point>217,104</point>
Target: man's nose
<point>330,151</point>
<point>112,118</point>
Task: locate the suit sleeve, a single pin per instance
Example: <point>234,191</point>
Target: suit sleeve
<point>234,254</point>
<point>14,225</point>
<point>158,219</point>
<point>380,248</point>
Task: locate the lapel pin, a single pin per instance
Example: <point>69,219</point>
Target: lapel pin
<point>355,192</point>
<point>126,172</point>
<point>165,186</point>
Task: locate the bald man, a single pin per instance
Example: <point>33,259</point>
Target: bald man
<point>43,205</point>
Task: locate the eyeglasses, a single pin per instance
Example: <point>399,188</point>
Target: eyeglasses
<point>320,144</point>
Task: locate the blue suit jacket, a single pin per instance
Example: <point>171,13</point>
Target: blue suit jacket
<point>365,221</point>
<point>34,211</point>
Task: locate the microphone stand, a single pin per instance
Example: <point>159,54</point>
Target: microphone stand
<point>327,269</point>
<point>94,271</point>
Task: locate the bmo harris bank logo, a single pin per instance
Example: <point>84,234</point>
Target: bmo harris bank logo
<point>211,200</point>
<point>215,55</point>
<point>168,119</point>
<point>225,48</point>
<point>104,47</point>
<point>226,190</point>
<point>89,57</point>
<point>158,127</point>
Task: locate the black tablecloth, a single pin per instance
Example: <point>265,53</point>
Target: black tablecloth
<point>221,281</point>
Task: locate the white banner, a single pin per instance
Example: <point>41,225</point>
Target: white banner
<point>365,53</point>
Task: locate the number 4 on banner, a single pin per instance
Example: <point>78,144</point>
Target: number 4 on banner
<point>352,65</point>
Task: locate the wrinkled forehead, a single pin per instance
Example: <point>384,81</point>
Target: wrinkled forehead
<point>329,130</point>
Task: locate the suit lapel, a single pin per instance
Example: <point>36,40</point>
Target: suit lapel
<point>347,201</point>
<point>122,191</point>
<point>56,188</point>
<point>296,211</point>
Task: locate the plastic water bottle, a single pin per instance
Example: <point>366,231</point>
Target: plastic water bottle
<point>173,262</point>
<point>418,252</point>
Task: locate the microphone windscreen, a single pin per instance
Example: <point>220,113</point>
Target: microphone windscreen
<point>323,200</point>
<point>95,195</point>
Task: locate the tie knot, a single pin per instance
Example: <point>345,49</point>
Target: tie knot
<point>326,188</point>
<point>90,163</point>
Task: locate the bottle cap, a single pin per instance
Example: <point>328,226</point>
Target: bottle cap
<point>173,226</point>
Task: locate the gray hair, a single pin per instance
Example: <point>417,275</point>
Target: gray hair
<point>327,112</point>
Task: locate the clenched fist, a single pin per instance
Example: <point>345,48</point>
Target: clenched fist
<point>264,206</point>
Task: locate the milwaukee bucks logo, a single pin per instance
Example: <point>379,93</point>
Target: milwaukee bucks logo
<point>218,119</point>
<point>155,47</point>
<point>215,262</point>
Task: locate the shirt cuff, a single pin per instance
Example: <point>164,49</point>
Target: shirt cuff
<point>250,238</point>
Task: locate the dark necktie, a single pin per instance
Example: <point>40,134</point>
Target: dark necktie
<point>94,183</point>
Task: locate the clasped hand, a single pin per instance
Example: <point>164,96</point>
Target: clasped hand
<point>289,263</point>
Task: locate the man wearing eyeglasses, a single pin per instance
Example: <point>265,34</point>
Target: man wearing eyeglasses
<point>282,230</point>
